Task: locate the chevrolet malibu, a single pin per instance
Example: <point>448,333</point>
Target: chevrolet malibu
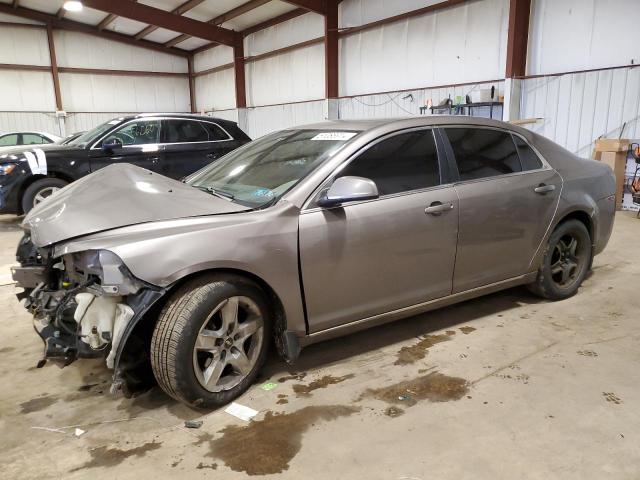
<point>303,235</point>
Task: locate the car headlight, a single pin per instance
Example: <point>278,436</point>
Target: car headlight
<point>7,168</point>
<point>103,266</point>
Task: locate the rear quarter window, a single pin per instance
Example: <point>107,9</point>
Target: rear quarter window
<point>528,158</point>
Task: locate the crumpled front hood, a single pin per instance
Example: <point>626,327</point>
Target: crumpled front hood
<point>117,196</point>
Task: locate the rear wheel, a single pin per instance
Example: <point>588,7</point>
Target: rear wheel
<point>566,262</point>
<point>39,191</point>
<point>211,340</point>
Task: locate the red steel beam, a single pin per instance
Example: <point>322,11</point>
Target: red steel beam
<point>315,6</point>
<point>161,18</point>
<point>518,38</point>
<point>65,24</point>
<point>54,67</point>
<point>192,86</point>
<point>220,19</point>
<point>331,60</point>
<point>239,70</point>
<point>180,10</point>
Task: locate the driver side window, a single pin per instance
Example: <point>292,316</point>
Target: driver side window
<point>141,132</point>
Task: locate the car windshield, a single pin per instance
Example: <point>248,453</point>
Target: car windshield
<point>90,136</point>
<point>261,172</point>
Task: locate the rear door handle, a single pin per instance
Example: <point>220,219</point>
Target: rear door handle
<point>543,188</point>
<point>438,208</point>
<point>212,155</point>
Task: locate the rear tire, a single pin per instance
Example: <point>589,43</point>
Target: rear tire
<point>211,340</point>
<point>567,259</point>
<point>40,190</point>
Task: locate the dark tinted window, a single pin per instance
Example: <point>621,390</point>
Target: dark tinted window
<point>185,131</point>
<point>482,152</point>
<point>404,162</point>
<point>528,157</point>
<point>215,132</point>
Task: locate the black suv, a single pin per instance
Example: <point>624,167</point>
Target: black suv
<point>174,145</point>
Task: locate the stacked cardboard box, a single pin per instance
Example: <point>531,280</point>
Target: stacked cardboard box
<point>613,152</point>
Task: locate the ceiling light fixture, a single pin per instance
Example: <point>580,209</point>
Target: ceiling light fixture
<point>72,6</point>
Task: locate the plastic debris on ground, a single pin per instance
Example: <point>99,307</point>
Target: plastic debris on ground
<point>193,423</point>
<point>241,412</point>
<point>79,432</point>
<point>269,386</point>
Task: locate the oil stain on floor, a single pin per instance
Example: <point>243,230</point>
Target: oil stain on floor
<point>274,440</point>
<point>305,390</point>
<point>467,330</point>
<point>37,404</point>
<point>109,457</point>
<point>435,387</point>
<point>413,353</point>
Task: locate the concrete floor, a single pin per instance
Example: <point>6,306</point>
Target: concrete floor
<point>502,387</point>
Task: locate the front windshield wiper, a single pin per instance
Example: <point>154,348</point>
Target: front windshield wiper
<point>218,193</point>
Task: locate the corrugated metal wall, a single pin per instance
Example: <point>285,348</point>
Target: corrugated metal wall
<point>580,107</point>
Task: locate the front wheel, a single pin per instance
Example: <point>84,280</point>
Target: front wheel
<point>211,340</point>
<point>39,191</point>
<point>566,262</point>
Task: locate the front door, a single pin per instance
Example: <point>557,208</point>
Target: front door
<point>367,258</point>
<point>139,145</point>
<point>507,201</point>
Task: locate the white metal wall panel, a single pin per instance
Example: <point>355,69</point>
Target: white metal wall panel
<point>294,76</point>
<point>354,13</point>
<point>86,51</point>
<point>24,46</point>
<point>214,57</point>
<point>79,122</point>
<point>40,121</point>
<point>466,43</point>
<point>231,114</point>
<point>26,91</point>
<point>297,30</point>
<point>113,93</point>
<point>578,108</point>
<point>408,103</point>
<point>216,91</point>
<point>263,120</point>
<point>570,35</point>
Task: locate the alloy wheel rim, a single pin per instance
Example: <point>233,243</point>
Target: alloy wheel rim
<point>566,261</point>
<point>228,344</point>
<point>43,194</point>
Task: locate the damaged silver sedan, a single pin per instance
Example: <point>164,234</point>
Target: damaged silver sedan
<point>303,235</point>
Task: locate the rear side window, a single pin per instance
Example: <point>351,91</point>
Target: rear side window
<point>215,132</point>
<point>482,153</point>
<point>31,139</point>
<point>528,158</point>
<point>404,162</point>
<point>185,131</point>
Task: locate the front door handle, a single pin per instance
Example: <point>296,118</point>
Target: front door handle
<point>154,160</point>
<point>212,155</point>
<point>544,188</point>
<point>438,208</point>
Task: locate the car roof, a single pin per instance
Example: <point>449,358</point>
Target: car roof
<point>362,125</point>
<point>45,134</point>
<point>191,116</point>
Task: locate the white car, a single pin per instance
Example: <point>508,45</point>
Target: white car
<point>12,139</point>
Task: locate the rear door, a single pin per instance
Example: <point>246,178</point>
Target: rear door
<point>140,140</point>
<point>371,257</point>
<point>190,144</point>
<point>508,197</point>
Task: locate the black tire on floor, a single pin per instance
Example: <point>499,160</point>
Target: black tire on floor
<point>29,195</point>
<point>174,338</point>
<point>550,285</point>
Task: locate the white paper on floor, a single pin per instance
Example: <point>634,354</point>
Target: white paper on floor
<point>241,412</point>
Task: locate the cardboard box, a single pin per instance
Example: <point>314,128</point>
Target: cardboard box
<point>613,152</point>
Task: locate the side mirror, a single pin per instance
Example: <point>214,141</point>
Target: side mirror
<point>110,144</point>
<point>349,189</point>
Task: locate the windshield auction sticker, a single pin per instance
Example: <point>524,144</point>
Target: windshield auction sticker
<point>334,136</point>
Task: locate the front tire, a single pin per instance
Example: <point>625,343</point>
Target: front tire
<point>566,261</point>
<point>211,340</point>
<point>39,191</point>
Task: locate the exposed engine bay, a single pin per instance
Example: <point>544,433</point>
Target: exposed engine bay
<point>81,302</point>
